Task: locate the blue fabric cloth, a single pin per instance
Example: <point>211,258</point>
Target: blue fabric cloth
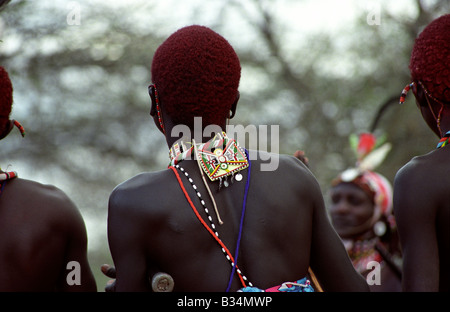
<point>301,285</point>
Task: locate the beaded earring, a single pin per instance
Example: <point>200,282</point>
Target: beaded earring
<point>20,127</point>
<point>427,96</point>
<point>438,118</point>
<point>405,92</point>
<point>154,95</point>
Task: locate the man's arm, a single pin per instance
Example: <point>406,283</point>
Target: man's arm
<point>77,275</point>
<point>415,213</point>
<point>126,246</point>
<point>329,259</point>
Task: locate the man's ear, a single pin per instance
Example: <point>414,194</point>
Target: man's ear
<point>151,92</point>
<point>234,105</point>
<point>8,127</point>
<point>153,109</point>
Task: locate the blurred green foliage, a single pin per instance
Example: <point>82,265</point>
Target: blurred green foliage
<point>80,88</point>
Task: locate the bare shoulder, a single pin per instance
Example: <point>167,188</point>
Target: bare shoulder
<point>416,187</point>
<point>286,177</point>
<point>140,186</point>
<point>146,194</point>
<point>272,162</point>
<point>412,169</point>
<point>410,174</point>
<point>139,205</point>
<point>418,176</point>
<point>285,169</point>
<point>45,204</point>
<point>42,196</point>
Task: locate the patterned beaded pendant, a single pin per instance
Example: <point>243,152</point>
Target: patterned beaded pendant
<point>221,157</point>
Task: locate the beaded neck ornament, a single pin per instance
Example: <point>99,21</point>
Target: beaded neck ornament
<point>219,158</point>
<point>212,228</point>
<point>362,252</point>
<point>5,176</point>
<point>9,175</point>
<point>444,141</point>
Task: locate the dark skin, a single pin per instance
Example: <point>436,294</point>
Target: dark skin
<point>422,209</point>
<point>151,228</point>
<point>42,231</point>
<point>351,211</point>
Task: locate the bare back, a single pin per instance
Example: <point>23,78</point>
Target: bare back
<point>42,231</point>
<point>422,209</point>
<point>152,228</point>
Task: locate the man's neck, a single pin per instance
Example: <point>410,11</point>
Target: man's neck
<point>186,134</point>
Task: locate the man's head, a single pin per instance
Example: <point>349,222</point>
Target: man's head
<point>430,59</point>
<point>360,196</point>
<point>351,208</point>
<point>196,73</point>
<point>6,100</point>
<point>359,202</point>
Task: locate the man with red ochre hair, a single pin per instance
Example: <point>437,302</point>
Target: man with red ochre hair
<point>214,221</point>
<point>421,188</point>
<point>43,241</point>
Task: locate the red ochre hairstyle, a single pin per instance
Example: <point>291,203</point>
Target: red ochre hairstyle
<point>430,58</point>
<point>6,99</point>
<point>196,73</point>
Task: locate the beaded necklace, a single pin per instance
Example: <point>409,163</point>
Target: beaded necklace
<point>444,141</point>
<point>362,252</point>
<point>8,175</point>
<point>5,176</point>
<point>220,157</point>
<point>212,229</point>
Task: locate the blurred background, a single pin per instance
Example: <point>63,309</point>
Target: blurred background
<point>320,70</point>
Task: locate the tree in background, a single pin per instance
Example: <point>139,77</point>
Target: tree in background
<point>81,73</point>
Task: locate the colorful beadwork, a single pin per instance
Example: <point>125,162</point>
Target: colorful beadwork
<point>219,158</point>
<point>302,285</point>
<point>210,219</point>
<point>20,127</point>
<point>444,141</point>
<point>158,108</point>
<point>179,151</point>
<point>427,95</point>
<point>241,225</point>
<point>212,230</point>
<point>405,92</point>
<point>5,176</point>
<point>362,252</point>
